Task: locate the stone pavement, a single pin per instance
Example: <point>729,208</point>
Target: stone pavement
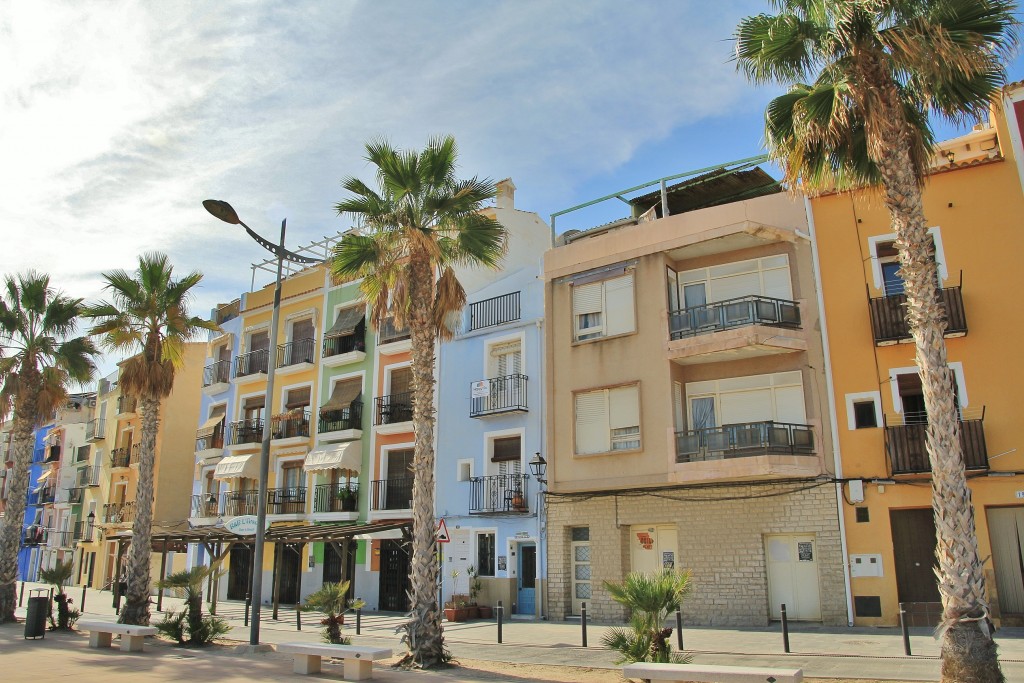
<point>822,652</point>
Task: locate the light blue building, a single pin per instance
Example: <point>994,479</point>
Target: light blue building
<point>33,537</point>
<point>491,424</point>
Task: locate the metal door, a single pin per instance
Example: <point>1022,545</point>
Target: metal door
<point>792,562</point>
<point>527,581</point>
<point>913,543</point>
<point>395,567</point>
<point>333,563</point>
<point>239,579</point>
<point>290,567</point>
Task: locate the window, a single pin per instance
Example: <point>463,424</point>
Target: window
<point>581,574</point>
<point>864,410</point>
<point>485,554</point>
<point>507,454</point>
<point>253,408</point>
<point>608,420</point>
<point>505,359</point>
<point>259,341</point>
<point>302,329</point>
<point>885,262</point>
<point>864,414</point>
<point>767,276</point>
<point>401,381</point>
<point>291,475</point>
<point>777,397</point>
<point>603,309</point>
<point>297,399</point>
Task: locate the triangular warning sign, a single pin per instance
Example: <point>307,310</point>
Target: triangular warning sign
<point>442,532</point>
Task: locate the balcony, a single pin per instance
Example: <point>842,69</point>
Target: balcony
<point>290,427</point>
<point>245,432</point>
<point>339,497</point>
<point>252,365</point>
<point>392,340</point>
<point>743,327</point>
<point>205,506</point>
<point>889,323</point>
<point>95,430</point>
<point>216,377</point>
<point>350,348</point>
<point>905,444</point>
<point>494,311</point>
<point>53,453</point>
<point>392,414</point>
<point>211,439</point>
<point>48,494</point>
<point>287,501</point>
<point>82,532</point>
<point>126,407</point>
<point>87,476</point>
<point>240,503</point>
<point>296,356</point>
<point>391,494</point>
<point>500,494</point>
<point>75,495</point>
<point>61,539</point>
<point>124,457</point>
<point>35,535</point>
<point>119,513</point>
<point>498,395</point>
<point>343,423</point>
<point>744,440</point>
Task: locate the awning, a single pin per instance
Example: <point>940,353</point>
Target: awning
<point>343,395</point>
<point>347,322</point>
<point>43,476</point>
<point>238,467</point>
<point>210,424</point>
<point>347,455</point>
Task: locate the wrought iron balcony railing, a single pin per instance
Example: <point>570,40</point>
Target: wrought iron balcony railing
<point>500,395</point>
<point>286,501</point>
<point>738,312</point>
<point>391,494</point>
<point>295,352</point>
<point>494,311</point>
<point>335,346</point>
<point>119,513</point>
<point>87,476</point>
<point>207,439</point>
<point>252,363</point>
<point>240,503</point>
<point>217,373</point>
<point>905,439</point>
<point>342,419</point>
<point>95,430</point>
<point>502,493</point>
<point>125,456</point>
<point>392,409</point>
<point>245,431</point>
<point>744,440</point>
<point>889,315</point>
<point>339,497</point>
<point>205,505</point>
<point>291,425</point>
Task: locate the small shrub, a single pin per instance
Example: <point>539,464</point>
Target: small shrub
<point>651,598</point>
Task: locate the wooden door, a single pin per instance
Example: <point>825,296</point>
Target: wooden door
<point>913,542</point>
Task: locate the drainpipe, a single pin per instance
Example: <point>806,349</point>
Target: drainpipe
<point>836,455</point>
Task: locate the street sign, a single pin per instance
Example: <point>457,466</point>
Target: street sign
<point>442,532</point>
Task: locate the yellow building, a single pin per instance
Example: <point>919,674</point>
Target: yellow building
<point>973,204</point>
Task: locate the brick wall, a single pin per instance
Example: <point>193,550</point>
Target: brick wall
<point>720,538</point>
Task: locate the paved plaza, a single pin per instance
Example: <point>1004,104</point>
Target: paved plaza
<point>862,653</point>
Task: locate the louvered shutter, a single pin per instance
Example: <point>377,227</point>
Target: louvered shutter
<point>620,317</point>
<point>593,434</point>
<point>735,286</point>
<point>586,298</point>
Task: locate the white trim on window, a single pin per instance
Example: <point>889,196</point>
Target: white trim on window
<point>958,372</point>
<point>607,420</point>
<point>606,308</point>
<point>860,397</point>
<point>876,263</point>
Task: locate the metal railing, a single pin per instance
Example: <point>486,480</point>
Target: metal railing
<point>504,395</point>
<point>48,494</point>
<point>87,476</point>
<point>217,373</point>
<point>207,439</point>
<point>95,430</point>
<point>126,405</point>
<point>290,426</point>
<point>286,501</point>
<point>889,315</point>
<point>82,531</point>
<point>744,440</point>
<point>494,311</point>
<point>339,497</point>
<point>60,538</point>
<point>240,503</point>
<point>906,447</point>
<point>499,493</point>
<point>252,363</point>
<point>125,456</point>
<point>738,312</point>
<point>228,311</point>
<point>245,431</point>
<point>389,333</point>
<point>295,352</point>
<point>335,346</point>
<point>205,505</point>
<point>341,419</point>
<point>75,495</point>
<point>119,513</point>
<point>391,494</point>
<point>392,409</point>
<point>35,535</point>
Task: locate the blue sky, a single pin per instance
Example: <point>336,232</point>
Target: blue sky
<point>119,118</point>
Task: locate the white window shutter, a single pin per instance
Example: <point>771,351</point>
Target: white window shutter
<point>619,304</point>
<point>789,405</point>
<point>593,434</point>
<point>777,283</point>
<point>735,286</point>
<point>746,406</point>
<point>624,407</point>
<point>677,404</point>
<point>586,299</point>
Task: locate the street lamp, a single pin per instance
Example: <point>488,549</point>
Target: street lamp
<point>538,468</point>
<point>226,213</point>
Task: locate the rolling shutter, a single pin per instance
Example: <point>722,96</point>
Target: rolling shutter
<point>586,299</point>
<point>619,305</point>
<point>624,407</point>
<point>789,405</point>
<point>593,434</point>
<point>746,406</point>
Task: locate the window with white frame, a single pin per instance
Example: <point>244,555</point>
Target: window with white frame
<point>768,276</point>
<point>608,420</point>
<point>505,358</point>
<point>885,262</point>
<point>603,309</point>
<point>485,552</point>
<point>777,397</point>
<point>506,454</point>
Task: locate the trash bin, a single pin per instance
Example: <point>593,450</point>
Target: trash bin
<point>38,608</point>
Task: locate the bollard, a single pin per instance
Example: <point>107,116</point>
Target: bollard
<point>905,629</point>
<point>248,601</point>
<point>679,628</point>
<point>51,602</point>
<point>498,611</point>
<point>359,620</point>
<point>583,622</point>
<point>81,605</point>
<point>298,619</point>
<point>785,630</point>
<point>21,597</point>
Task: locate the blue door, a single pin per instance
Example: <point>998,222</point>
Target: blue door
<point>527,579</point>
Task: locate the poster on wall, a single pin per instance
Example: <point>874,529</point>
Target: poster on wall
<point>805,551</point>
<point>502,562</point>
<point>668,560</point>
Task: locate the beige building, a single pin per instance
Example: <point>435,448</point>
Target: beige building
<point>687,413</point>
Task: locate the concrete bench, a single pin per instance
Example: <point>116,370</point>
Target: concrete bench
<point>101,634</point>
<point>358,660</point>
<point>703,673</point>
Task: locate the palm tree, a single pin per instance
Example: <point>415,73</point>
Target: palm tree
<point>651,599</point>
<point>59,576</point>
<point>39,359</point>
<point>201,629</point>
<point>864,75</point>
<point>148,316</point>
<point>332,600</point>
<point>421,224</point>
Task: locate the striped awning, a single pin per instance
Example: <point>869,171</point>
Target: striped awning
<point>347,455</point>
<point>238,467</point>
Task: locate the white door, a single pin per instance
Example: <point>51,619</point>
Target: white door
<point>653,547</point>
<point>792,561</point>
<point>581,576</point>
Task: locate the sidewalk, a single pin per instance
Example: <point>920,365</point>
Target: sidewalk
<point>858,652</point>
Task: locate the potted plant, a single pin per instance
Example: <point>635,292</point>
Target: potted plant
<point>518,501</point>
<point>474,589</point>
<point>347,499</point>
<point>456,607</point>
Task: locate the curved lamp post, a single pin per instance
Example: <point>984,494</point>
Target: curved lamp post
<point>224,211</point>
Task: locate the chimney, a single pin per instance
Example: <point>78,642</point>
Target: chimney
<point>506,194</point>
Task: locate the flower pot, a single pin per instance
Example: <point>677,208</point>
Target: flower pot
<point>456,613</point>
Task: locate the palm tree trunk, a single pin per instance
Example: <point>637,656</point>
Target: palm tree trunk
<point>11,526</point>
<point>424,635</point>
<point>968,651</point>
<point>140,553</point>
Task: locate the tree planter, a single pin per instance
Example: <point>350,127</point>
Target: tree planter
<point>473,612</point>
<point>486,611</point>
<point>456,613</point>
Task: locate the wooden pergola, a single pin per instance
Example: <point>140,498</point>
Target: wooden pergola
<point>218,542</point>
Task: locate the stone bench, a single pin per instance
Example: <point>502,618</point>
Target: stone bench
<point>703,673</point>
<point>101,634</point>
<point>358,660</point>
